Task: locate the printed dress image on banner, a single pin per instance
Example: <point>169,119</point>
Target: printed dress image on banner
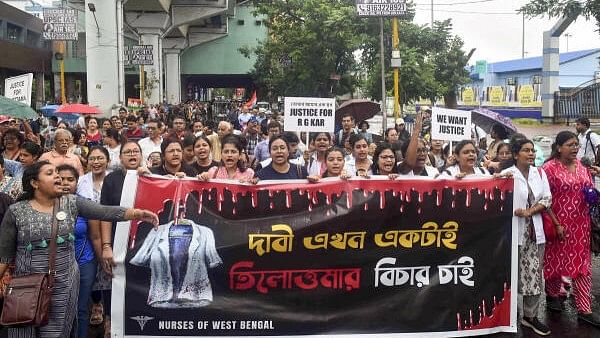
<point>179,255</point>
<point>376,256</point>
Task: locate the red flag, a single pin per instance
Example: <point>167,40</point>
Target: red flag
<point>252,101</point>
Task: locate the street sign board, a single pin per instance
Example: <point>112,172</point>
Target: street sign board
<point>18,88</point>
<point>138,55</point>
<point>381,7</point>
<point>60,24</point>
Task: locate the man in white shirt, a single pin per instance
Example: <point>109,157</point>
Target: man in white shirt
<point>151,143</point>
<point>588,140</point>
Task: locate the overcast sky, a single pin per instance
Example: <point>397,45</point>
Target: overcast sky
<point>497,37</point>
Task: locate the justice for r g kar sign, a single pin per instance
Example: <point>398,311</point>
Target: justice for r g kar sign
<point>309,114</point>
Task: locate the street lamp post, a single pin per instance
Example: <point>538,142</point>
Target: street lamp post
<point>568,35</point>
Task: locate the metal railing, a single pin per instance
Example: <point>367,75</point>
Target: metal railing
<point>579,102</point>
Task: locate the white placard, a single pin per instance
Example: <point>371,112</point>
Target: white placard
<point>60,24</point>
<point>18,88</point>
<point>450,124</point>
<point>309,114</point>
<point>138,55</point>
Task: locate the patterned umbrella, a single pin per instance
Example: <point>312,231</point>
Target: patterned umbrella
<point>485,118</point>
<point>12,108</point>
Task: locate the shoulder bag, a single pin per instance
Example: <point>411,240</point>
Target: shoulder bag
<point>549,229</point>
<point>27,298</point>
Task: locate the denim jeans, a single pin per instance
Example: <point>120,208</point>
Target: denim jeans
<point>87,277</point>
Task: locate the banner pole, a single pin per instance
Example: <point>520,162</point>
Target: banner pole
<point>307,139</point>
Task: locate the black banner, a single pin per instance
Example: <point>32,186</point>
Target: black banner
<point>337,257</point>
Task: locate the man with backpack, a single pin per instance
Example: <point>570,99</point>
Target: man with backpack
<point>588,141</point>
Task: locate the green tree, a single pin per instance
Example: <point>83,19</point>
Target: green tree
<point>322,48</point>
<point>311,43</point>
<point>559,8</point>
<point>433,63</point>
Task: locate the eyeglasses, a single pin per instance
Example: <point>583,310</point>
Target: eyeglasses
<point>97,158</point>
<point>131,152</point>
<point>572,146</point>
<point>62,140</point>
<point>421,150</point>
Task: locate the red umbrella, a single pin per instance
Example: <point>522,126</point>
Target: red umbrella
<point>78,108</point>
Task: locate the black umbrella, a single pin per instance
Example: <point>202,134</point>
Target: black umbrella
<point>360,109</point>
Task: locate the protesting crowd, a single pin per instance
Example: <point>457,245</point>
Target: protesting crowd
<point>80,167</point>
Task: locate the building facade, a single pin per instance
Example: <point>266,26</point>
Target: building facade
<point>514,87</point>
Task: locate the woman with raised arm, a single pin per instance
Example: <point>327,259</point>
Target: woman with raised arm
<point>415,154</point>
<point>25,234</point>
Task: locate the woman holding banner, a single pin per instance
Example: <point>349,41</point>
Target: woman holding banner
<point>334,158</point>
<point>531,196</point>
<point>465,154</point>
<point>280,167</point>
<point>232,166</point>
<point>111,191</point>
<point>384,161</point>
<point>569,254</point>
<point>202,151</point>
<point>359,164</point>
<point>173,163</point>
<point>316,160</point>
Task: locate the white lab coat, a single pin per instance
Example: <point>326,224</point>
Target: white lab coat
<point>196,290</point>
<point>541,192</point>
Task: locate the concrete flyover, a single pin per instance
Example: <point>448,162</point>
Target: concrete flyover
<point>169,26</point>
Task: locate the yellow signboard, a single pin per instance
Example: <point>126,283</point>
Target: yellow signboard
<point>527,97</point>
<point>497,96</point>
<point>468,97</point>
